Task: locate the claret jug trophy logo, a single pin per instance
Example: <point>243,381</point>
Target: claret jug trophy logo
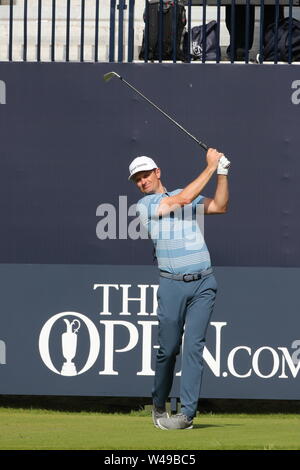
<point>69,346</point>
<point>64,347</point>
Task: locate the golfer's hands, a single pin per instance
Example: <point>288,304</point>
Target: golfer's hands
<point>223,166</point>
<point>212,158</point>
<point>217,161</point>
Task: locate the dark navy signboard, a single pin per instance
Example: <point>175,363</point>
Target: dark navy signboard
<point>92,330</point>
<point>78,284</point>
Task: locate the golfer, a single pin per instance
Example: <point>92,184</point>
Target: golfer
<point>187,288</point>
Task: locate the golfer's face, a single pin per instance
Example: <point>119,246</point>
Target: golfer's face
<point>147,181</point>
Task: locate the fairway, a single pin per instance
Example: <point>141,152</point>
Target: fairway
<point>50,430</point>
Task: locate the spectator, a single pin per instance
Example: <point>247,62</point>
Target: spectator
<point>236,49</point>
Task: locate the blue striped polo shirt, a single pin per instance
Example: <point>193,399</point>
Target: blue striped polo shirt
<point>178,237</point>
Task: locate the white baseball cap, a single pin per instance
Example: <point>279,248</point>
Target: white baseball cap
<point>141,164</point>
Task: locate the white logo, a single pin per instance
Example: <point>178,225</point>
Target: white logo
<point>197,49</point>
<point>2,352</point>
<point>295,97</point>
<point>69,340</point>
<point>69,346</point>
<point>2,92</point>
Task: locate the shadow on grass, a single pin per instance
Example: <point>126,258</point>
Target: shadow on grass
<point>73,404</point>
<point>129,404</point>
<point>204,426</point>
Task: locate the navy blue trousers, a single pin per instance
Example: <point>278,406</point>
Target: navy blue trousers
<point>183,308</point>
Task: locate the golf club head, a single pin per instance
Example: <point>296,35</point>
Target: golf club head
<point>108,76</point>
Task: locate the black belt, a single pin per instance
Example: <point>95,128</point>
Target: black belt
<point>186,277</point>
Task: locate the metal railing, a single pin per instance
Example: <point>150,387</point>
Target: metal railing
<point>278,35</point>
<point>113,30</point>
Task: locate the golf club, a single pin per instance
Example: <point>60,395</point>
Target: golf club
<point>108,76</point>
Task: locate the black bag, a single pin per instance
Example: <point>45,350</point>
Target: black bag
<point>283,41</point>
<point>169,9</point>
<point>212,49</point>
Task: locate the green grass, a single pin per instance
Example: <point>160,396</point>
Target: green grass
<point>49,430</point>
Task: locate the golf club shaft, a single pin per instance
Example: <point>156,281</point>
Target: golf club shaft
<point>204,146</point>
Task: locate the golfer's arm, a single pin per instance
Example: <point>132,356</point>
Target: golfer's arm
<point>219,203</point>
<point>188,194</point>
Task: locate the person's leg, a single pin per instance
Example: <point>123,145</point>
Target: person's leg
<point>238,33</point>
<point>170,312</point>
<point>198,314</point>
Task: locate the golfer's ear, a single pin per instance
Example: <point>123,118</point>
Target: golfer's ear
<point>158,172</point>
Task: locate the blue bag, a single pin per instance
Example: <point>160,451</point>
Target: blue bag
<point>212,48</point>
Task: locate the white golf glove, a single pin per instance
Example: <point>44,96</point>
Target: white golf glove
<point>223,166</point>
